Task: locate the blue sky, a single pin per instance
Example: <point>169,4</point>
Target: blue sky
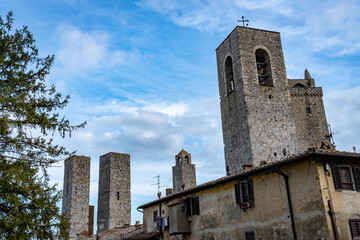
<point>143,74</point>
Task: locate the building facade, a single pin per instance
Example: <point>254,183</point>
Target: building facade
<point>314,195</point>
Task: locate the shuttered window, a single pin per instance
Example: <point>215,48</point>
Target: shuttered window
<point>155,215</point>
<point>244,193</point>
<point>249,235</point>
<point>354,227</point>
<point>192,206</point>
<point>356,171</point>
<point>342,177</point>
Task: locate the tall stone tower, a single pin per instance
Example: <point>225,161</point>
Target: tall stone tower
<point>309,113</point>
<point>257,117</point>
<point>184,176</point>
<point>76,194</point>
<point>114,200</point>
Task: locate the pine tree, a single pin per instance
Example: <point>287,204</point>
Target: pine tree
<point>28,120</point>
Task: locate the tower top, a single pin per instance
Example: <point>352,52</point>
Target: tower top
<point>183,157</point>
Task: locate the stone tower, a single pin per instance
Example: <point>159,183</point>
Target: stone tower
<point>184,176</point>
<point>114,205</point>
<point>309,113</point>
<point>257,118</point>
<point>76,194</point>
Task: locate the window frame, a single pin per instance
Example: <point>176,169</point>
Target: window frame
<point>338,177</point>
<point>244,193</point>
<point>155,216</point>
<point>192,206</point>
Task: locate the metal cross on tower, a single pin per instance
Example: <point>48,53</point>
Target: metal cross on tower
<point>243,20</point>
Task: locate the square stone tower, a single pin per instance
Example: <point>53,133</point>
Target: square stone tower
<point>76,194</point>
<point>184,176</point>
<point>256,112</point>
<point>114,200</point>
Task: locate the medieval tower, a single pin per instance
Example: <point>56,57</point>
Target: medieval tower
<point>76,194</point>
<point>114,204</point>
<point>262,117</point>
<point>183,172</point>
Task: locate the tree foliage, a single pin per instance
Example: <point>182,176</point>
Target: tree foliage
<point>28,120</point>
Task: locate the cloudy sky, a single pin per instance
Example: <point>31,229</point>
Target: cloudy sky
<point>143,74</point>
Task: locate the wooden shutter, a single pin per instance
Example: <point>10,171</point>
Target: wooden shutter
<point>356,171</point>
<point>336,176</point>
<point>250,190</point>
<point>354,227</point>
<point>244,191</point>
<point>237,192</point>
<point>155,214</point>
<point>195,205</point>
<point>188,206</point>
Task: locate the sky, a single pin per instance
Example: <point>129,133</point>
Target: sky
<point>143,75</point>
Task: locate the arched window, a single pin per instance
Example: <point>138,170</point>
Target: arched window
<point>263,68</point>
<point>229,74</point>
<point>187,159</point>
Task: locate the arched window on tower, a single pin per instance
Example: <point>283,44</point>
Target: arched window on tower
<point>263,68</point>
<point>187,159</point>
<point>229,74</point>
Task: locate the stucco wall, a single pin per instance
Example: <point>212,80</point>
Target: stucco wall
<point>221,218</point>
<point>346,203</point>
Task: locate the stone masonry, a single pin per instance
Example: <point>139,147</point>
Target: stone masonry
<point>265,116</point>
<point>257,121</point>
<point>309,113</point>
<point>114,200</point>
<point>184,176</point>
<point>76,194</point>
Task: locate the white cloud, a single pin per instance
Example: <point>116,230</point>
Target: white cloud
<point>80,51</point>
<point>343,113</point>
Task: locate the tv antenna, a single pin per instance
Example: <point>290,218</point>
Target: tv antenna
<point>158,185</point>
<point>243,20</point>
<point>331,134</point>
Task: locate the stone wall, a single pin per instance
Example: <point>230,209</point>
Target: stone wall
<point>76,193</point>
<point>309,116</point>
<point>257,121</point>
<point>114,201</point>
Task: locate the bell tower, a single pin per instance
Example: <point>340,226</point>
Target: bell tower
<point>183,172</point>
<point>257,118</point>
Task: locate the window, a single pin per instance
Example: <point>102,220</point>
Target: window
<point>344,177</point>
<point>229,75</point>
<point>192,206</point>
<point>263,68</point>
<point>249,235</point>
<point>155,215</point>
<point>308,110</point>
<point>244,193</point>
<point>118,195</point>
<point>354,227</point>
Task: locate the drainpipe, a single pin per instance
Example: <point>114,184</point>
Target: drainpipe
<point>286,178</point>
